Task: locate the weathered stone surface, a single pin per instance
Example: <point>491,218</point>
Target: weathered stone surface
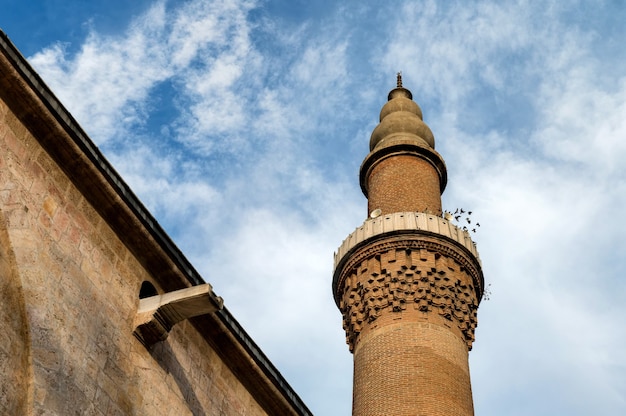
<point>14,345</point>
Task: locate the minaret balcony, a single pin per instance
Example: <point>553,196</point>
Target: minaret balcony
<point>399,222</point>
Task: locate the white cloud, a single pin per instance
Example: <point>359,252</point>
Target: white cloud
<point>106,84</point>
<point>121,72</point>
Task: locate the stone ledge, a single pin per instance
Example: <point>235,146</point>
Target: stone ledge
<point>158,314</point>
<point>404,221</point>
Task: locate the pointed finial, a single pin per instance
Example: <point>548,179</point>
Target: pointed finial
<point>399,82</point>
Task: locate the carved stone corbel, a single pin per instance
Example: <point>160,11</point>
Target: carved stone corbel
<point>158,314</point>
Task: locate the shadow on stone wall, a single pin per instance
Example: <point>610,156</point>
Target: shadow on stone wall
<point>15,386</point>
<point>165,356</point>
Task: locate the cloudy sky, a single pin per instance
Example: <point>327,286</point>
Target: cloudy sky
<point>242,125</point>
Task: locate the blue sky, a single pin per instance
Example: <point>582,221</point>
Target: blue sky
<point>242,125</point>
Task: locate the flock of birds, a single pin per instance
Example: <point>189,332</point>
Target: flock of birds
<point>460,218</point>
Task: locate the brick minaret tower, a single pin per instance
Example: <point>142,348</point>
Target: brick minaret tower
<point>408,282</point>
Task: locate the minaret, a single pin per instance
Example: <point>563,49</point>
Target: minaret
<point>408,282</point>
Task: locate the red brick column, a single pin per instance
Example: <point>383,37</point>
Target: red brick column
<point>409,304</point>
<point>404,183</point>
<point>411,368</point>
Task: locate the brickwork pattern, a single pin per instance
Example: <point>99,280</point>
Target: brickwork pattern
<point>79,287</point>
<point>408,286</point>
<point>404,183</point>
<point>411,368</point>
<point>409,309</point>
<point>403,274</point>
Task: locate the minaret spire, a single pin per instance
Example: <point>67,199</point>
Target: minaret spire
<point>415,177</point>
<point>407,282</point>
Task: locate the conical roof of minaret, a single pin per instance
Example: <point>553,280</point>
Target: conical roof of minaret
<point>401,118</point>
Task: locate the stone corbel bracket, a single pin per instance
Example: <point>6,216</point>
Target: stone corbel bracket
<point>158,314</point>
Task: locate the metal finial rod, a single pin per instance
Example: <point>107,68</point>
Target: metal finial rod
<point>399,79</point>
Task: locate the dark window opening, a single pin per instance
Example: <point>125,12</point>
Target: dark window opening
<point>147,290</point>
